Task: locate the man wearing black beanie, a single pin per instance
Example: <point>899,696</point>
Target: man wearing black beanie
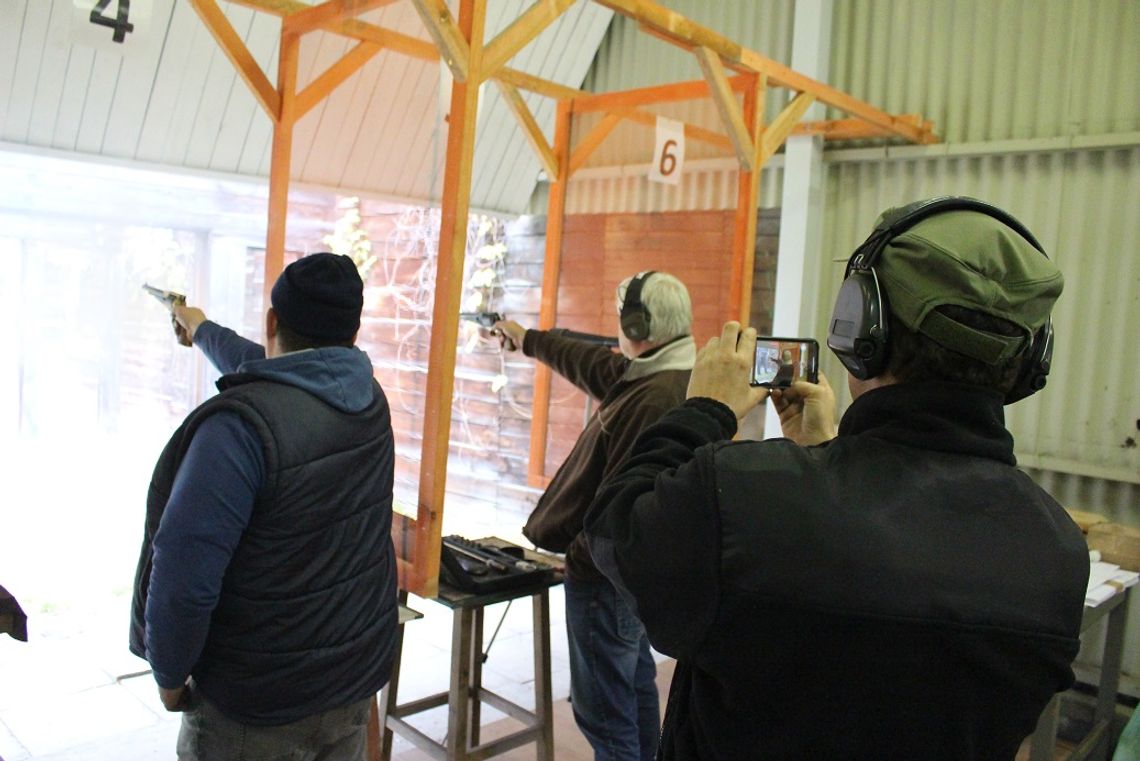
<point>265,596</point>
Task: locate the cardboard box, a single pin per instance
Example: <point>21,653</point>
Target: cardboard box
<point>1117,544</point>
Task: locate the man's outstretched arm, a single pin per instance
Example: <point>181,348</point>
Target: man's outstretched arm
<point>225,349</point>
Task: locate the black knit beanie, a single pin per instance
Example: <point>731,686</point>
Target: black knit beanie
<point>320,296</point>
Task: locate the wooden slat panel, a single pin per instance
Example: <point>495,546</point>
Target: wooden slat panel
<point>502,155</point>
<point>412,133</point>
<point>200,60</point>
<point>243,114</point>
<point>255,149</point>
<point>221,84</point>
<point>50,79</point>
<point>185,54</point>
<point>319,51</point>
<point>71,100</point>
<point>97,106</point>
<point>389,71</point>
<point>411,114</point>
<point>135,85</point>
<point>341,125</point>
<point>29,55</point>
<point>10,36</point>
<point>563,52</point>
<point>427,141</point>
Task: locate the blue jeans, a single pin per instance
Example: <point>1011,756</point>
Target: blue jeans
<point>612,675</point>
<point>336,735</point>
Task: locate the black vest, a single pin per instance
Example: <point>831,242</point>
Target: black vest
<point>306,621</point>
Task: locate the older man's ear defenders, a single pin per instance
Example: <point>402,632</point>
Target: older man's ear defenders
<point>858,332</point>
<point>635,317</point>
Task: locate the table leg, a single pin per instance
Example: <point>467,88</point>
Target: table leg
<point>459,695</point>
<point>543,705</point>
<point>1044,737</point>
<point>379,735</point>
<point>1110,677</point>
<point>475,712</point>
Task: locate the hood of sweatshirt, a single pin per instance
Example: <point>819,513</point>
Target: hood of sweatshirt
<point>338,375</point>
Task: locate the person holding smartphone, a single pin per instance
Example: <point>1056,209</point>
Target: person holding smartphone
<point>888,587</point>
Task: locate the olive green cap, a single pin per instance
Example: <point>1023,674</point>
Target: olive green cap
<point>972,260</point>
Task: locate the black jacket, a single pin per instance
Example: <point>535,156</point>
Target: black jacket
<point>307,617</point>
<point>901,592</point>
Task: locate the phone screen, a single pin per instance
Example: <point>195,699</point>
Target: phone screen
<point>780,362</point>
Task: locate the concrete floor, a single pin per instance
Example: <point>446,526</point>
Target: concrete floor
<point>67,699</point>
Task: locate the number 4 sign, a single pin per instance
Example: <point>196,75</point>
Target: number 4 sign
<point>119,27</point>
<point>669,155</point>
<point>120,23</point>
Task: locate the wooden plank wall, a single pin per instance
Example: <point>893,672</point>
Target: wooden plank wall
<point>489,451</point>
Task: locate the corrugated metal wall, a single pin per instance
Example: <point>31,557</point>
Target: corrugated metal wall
<point>1077,203</point>
<point>993,71</point>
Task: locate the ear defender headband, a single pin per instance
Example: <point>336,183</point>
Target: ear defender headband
<point>634,316</point>
<point>858,331</point>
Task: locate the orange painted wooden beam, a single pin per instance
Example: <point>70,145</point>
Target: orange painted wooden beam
<point>234,48</point>
<point>692,131</point>
<point>782,125</point>
<point>455,207</point>
<point>686,34</point>
<point>531,83</point>
<point>675,27</point>
<point>407,45</point>
<point>448,37</point>
<point>316,16</point>
<point>530,127</point>
<point>334,76</point>
<point>521,33</point>
<point>588,144</point>
<point>854,129</point>
<point>645,96</point>
<point>747,203</point>
<point>548,309</point>
<point>281,160</point>
<point>731,113</point>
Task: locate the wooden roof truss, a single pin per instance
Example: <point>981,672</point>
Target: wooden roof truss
<point>735,78</point>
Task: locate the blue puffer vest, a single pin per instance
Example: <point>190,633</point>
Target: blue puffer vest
<point>306,621</point>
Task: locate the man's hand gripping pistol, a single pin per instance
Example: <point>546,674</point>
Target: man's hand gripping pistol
<point>170,300</point>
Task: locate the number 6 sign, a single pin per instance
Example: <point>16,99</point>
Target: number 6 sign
<point>669,155</point>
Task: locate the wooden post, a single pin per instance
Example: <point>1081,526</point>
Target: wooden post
<point>445,312</point>
<point>281,160</point>
<point>747,203</point>
<point>551,268</point>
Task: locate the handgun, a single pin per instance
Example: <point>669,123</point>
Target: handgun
<point>482,319</point>
<point>169,299</point>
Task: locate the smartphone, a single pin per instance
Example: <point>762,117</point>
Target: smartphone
<point>780,362</point>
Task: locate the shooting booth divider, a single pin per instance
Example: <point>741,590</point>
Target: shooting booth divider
<point>735,79</point>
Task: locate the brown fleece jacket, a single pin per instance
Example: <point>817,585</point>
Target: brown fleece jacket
<point>633,394</point>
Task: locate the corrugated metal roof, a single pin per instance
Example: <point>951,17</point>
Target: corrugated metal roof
<point>169,96</point>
